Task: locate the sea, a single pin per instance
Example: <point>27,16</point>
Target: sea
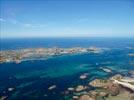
<point>30,80</point>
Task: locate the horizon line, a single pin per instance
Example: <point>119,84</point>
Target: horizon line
<point>69,37</point>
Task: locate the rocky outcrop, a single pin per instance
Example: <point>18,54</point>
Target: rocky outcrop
<point>83,76</point>
<point>125,84</point>
<point>93,93</point>
<point>86,97</point>
<point>103,94</point>
<point>104,89</point>
<point>70,89</point>
<point>113,89</point>
<point>75,97</point>
<point>98,83</point>
<point>116,77</point>
<point>80,88</point>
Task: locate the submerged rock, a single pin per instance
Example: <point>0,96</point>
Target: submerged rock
<point>70,89</point>
<point>10,89</point>
<point>66,92</point>
<point>84,76</point>
<point>45,95</point>
<point>106,69</point>
<point>131,72</point>
<point>3,97</point>
<point>131,54</point>
<point>75,97</point>
<point>52,87</point>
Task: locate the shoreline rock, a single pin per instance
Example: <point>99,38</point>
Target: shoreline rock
<point>98,83</point>
<point>103,89</point>
<point>86,97</point>
<point>116,77</point>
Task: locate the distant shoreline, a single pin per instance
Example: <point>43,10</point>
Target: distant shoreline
<point>75,37</point>
<point>36,53</point>
<point>22,43</point>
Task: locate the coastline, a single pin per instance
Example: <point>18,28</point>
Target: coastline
<point>42,53</point>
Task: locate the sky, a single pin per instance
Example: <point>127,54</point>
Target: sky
<point>66,18</point>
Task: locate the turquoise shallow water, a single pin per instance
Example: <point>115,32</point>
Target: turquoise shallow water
<point>31,79</point>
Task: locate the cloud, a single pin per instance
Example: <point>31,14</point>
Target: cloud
<point>33,25</point>
<point>2,20</point>
<point>27,25</point>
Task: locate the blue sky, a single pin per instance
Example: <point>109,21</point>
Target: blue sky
<point>67,18</point>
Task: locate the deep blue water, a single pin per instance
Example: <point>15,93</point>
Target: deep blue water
<point>66,42</point>
<point>31,79</point>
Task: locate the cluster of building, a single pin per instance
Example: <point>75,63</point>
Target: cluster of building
<point>19,55</point>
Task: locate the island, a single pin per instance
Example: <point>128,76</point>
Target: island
<point>38,53</point>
